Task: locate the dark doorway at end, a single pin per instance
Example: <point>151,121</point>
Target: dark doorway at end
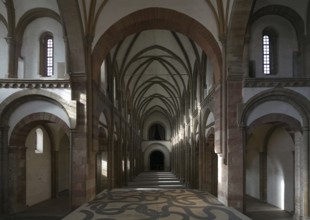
<point>157,161</point>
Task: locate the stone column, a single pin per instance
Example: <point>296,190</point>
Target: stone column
<point>55,172</point>
<point>4,167</point>
<point>78,168</point>
<point>14,54</point>
<point>235,151</point>
<point>201,161</point>
<point>110,158</point>
<point>306,57</point>
<point>302,175</point>
<point>79,146</point>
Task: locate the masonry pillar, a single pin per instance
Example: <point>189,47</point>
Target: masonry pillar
<point>302,175</point>
<point>306,57</point>
<point>235,151</point>
<point>4,163</point>
<point>79,150</point>
<point>14,50</point>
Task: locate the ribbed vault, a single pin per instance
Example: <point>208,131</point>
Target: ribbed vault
<point>157,68</point>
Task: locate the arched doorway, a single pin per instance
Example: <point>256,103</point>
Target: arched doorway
<point>44,161</point>
<point>270,165</point>
<point>157,161</point>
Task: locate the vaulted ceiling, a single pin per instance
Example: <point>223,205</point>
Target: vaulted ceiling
<point>156,68</point>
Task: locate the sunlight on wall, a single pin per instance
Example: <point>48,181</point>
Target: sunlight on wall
<point>282,194</point>
<point>104,168</point>
<point>128,165</point>
<point>219,165</point>
<point>82,98</point>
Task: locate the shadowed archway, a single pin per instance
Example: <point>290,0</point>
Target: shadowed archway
<point>157,161</point>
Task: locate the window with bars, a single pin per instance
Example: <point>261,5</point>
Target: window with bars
<point>47,54</point>
<point>266,54</point>
<point>49,57</point>
<point>269,42</point>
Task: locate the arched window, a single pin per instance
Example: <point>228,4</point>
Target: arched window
<point>47,54</point>
<point>269,42</point>
<point>157,132</point>
<point>39,141</point>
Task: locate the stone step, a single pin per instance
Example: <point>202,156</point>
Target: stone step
<point>156,180</point>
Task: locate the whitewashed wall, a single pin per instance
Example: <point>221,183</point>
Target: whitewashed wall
<point>271,107</point>
<point>287,44</point>
<point>31,48</point>
<point>254,146</point>
<point>280,170</point>
<point>36,107</point>
<point>22,6</point>
<point>38,170</point>
<point>4,52</point>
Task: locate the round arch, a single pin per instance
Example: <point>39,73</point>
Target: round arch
<point>288,122</point>
<point>30,16</point>
<point>156,147</point>
<point>293,17</point>
<point>18,98</point>
<point>17,153</point>
<point>18,136</point>
<point>295,122</point>
<point>157,18</point>
<point>294,99</point>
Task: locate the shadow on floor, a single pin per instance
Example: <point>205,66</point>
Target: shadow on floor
<point>258,210</point>
<point>53,209</point>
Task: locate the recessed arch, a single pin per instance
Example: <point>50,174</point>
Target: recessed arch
<point>286,121</point>
<point>157,132</point>
<point>13,101</point>
<point>17,151</point>
<point>285,12</point>
<point>30,16</point>
<point>18,136</point>
<point>293,99</point>
<point>157,147</point>
<point>157,18</point>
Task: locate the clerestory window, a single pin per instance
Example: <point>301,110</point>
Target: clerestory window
<point>47,54</point>
<point>269,42</point>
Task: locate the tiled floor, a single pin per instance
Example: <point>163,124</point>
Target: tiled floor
<point>151,204</point>
<point>151,196</point>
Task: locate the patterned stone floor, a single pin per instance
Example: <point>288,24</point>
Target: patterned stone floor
<point>151,204</point>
